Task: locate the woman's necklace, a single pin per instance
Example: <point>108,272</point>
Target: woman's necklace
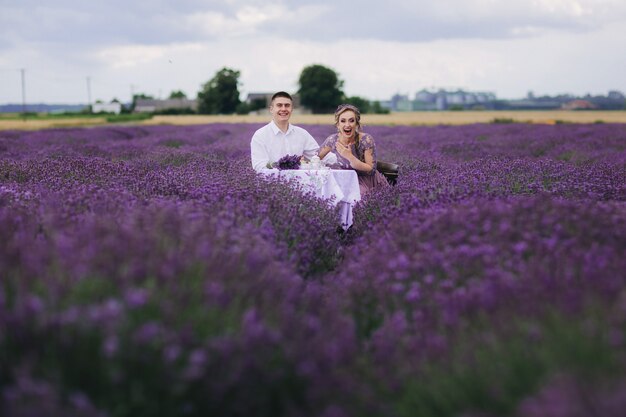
<point>346,142</point>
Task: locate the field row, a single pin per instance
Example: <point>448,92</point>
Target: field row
<point>149,271</point>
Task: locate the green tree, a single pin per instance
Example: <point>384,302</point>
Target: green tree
<point>220,95</point>
<point>363,104</point>
<point>177,94</point>
<point>320,89</point>
<point>377,108</point>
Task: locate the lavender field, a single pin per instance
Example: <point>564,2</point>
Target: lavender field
<point>148,271</point>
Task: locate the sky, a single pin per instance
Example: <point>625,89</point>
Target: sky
<point>73,52</point>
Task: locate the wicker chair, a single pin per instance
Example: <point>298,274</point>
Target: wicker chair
<point>389,170</point>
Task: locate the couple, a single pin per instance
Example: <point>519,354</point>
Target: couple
<point>353,149</point>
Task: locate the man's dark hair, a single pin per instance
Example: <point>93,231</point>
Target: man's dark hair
<point>281,94</point>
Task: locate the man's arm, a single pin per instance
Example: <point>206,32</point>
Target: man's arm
<point>311,147</point>
<point>258,154</point>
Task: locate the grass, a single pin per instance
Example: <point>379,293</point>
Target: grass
<point>33,121</point>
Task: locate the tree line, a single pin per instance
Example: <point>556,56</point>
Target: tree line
<point>320,90</point>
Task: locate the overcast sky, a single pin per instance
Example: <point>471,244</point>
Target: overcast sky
<point>113,48</point>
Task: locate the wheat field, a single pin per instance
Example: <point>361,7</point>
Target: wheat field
<point>417,118</point>
<point>401,118</point>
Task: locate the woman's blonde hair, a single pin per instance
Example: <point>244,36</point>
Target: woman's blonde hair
<point>357,114</point>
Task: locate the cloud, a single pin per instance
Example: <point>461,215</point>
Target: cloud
<point>160,21</point>
<point>128,56</point>
<point>421,21</point>
<point>378,48</point>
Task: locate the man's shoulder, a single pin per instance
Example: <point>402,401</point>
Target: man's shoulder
<point>300,130</point>
<point>262,130</point>
<point>296,127</point>
<point>265,127</point>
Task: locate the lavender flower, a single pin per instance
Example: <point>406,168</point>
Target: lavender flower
<point>289,162</point>
<point>489,281</point>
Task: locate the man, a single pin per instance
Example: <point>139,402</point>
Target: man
<point>280,138</point>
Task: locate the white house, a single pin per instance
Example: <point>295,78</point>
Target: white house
<point>107,108</point>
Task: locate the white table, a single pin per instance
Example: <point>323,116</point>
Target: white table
<point>340,185</point>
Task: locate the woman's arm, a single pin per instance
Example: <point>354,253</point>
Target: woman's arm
<point>354,161</point>
<point>323,151</point>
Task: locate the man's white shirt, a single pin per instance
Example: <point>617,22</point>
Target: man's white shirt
<point>269,144</point>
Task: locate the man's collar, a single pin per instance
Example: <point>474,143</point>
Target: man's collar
<point>276,129</point>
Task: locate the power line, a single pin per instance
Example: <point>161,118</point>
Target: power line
<point>39,76</point>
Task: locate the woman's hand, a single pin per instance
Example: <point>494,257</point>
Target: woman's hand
<point>344,151</point>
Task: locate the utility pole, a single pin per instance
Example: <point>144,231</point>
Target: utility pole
<point>23,71</point>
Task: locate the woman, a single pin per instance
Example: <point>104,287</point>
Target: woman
<point>353,148</point>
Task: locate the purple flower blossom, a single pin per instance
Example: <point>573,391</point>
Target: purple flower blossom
<point>498,256</point>
<point>289,162</point>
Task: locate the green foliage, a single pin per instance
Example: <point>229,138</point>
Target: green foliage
<point>175,110</point>
<point>502,120</point>
<point>254,105</point>
<point>258,104</point>
<point>29,114</point>
<point>243,108</point>
<point>120,118</point>
<point>320,89</point>
<point>366,106</point>
<point>220,95</point>
<point>177,94</point>
<point>362,103</point>
<point>173,143</point>
<point>44,116</point>
<point>377,108</point>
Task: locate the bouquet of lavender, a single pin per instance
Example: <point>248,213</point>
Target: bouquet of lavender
<point>289,162</point>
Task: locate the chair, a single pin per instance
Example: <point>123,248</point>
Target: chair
<point>389,170</point>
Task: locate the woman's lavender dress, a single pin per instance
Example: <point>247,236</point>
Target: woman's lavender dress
<point>367,180</point>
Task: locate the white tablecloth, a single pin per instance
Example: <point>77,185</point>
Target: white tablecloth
<point>340,185</point>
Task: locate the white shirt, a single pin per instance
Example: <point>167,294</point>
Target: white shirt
<point>269,144</point>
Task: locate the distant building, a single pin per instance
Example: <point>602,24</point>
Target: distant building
<point>400,102</point>
<point>443,100</point>
<point>107,108</point>
<point>152,105</point>
<point>264,98</point>
<point>579,105</point>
